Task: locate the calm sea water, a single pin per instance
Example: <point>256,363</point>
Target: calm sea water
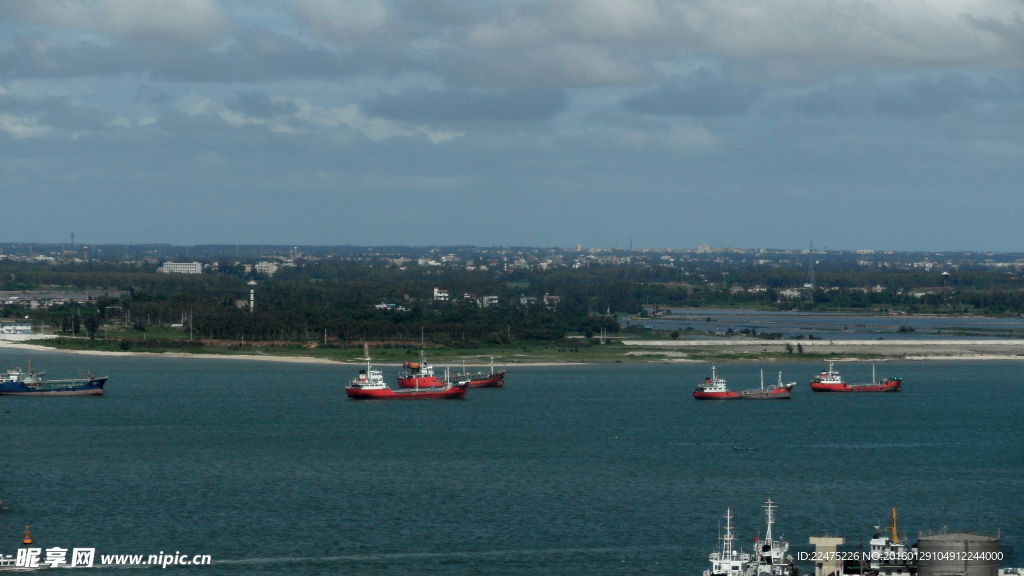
<point>610,469</point>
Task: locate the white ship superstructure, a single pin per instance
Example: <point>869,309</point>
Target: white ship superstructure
<point>727,561</point>
<point>773,558</point>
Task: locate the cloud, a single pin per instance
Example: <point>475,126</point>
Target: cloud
<point>191,21</point>
<point>294,115</point>
<point>853,32</point>
<point>701,93</point>
<point>22,126</point>
<point>255,54</point>
<point>461,104</point>
<point>259,105</point>
<point>923,95</point>
<point>342,21</point>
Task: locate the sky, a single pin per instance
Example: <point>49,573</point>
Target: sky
<point>876,124</point>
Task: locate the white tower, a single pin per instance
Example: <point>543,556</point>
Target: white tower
<point>252,296</point>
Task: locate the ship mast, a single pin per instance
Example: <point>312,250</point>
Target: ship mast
<point>728,538</point>
<point>769,512</point>
<point>895,536</point>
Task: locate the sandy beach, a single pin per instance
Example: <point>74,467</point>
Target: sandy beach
<point>17,345</point>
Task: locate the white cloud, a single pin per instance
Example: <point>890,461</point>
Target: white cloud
<point>887,32</point>
<point>22,126</point>
<point>306,116</point>
<point>342,20</point>
<point>198,21</point>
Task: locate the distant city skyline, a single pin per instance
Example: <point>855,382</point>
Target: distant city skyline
<point>869,124</point>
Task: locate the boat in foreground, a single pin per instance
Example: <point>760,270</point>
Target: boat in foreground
<point>369,385</point>
<point>831,381</point>
<point>18,382</point>
<point>726,560</point>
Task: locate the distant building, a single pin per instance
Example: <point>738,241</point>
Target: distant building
<point>441,295</point>
<point>551,301</point>
<point>789,293</point>
<point>181,268</point>
<point>488,301</point>
<point>704,249</point>
<point>267,268</point>
<point>527,301</point>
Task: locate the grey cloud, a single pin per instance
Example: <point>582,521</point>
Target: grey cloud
<point>421,104</point>
<point>949,92</point>
<point>702,93</point>
<point>921,96</point>
<point>257,54</point>
<point>259,105</point>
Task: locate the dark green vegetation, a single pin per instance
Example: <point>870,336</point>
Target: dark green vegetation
<point>330,302</point>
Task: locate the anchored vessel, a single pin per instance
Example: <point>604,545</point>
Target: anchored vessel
<point>490,379</point>
<point>369,385</point>
<point>18,382</point>
<point>419,375</point>
<point>714,388</point>
<point>778,391</point>
<point>831,381</point>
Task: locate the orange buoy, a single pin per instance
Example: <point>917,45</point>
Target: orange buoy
<point>28,538</point>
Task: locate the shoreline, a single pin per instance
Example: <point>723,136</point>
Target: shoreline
<point>7,344</point>
<point>635,352</point>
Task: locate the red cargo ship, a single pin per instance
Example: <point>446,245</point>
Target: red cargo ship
<point>714,389</point>
<point>419,375</point>
<point>831,381</point>
<point>369,385</point>
<point>490,379</point>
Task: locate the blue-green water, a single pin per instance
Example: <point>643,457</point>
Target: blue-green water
<point>605,469</point>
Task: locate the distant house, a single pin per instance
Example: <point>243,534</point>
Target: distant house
<point>488,301</point>
<point>527,301</point>
<point>267,268</point>
<point>551,301</point>
<point>181,268</point>
<point>789,293</point>
<point>441,295</point>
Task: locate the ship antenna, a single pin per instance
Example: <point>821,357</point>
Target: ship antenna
<point>762,378</point>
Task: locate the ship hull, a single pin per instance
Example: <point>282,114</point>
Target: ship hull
<point>887,386</point>
<point>782,393</point>
<point>496,380</point>
<point>453,393</point>
<point>727,395</point>
<point>93,387</point>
